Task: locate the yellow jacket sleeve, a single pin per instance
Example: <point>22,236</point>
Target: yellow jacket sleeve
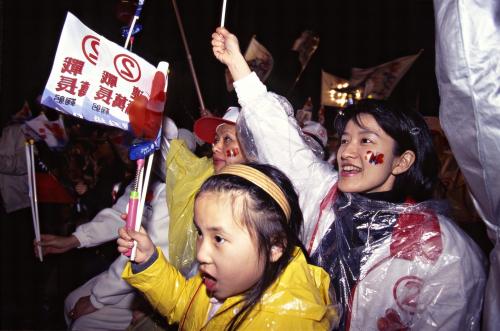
<point>164,286</point>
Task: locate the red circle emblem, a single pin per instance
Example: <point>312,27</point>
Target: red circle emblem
<point>90,49</point>
<point>127,67</point>
<point>406,292</point>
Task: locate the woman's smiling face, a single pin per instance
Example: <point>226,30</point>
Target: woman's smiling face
<point>366,157</point>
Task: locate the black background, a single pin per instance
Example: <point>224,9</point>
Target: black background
<point>354,33</point>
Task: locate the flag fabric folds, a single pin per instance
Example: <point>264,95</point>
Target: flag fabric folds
<point>259,60</point>
<point>306,45</point>
<point>53,133</point>
<point>93,78</point>
<point>380,81</point>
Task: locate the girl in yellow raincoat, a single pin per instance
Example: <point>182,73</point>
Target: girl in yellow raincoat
<point>252,275</point>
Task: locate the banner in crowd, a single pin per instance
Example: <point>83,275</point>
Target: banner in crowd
<point>93,78</point>
<point>330,86</point>
<point>52,132</point>
<point>380,81</point>
<point>259,60</point>
<point>306,45</point>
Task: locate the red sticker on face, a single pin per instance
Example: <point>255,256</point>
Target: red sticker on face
<point>373,158</point>
<point>232,152</point>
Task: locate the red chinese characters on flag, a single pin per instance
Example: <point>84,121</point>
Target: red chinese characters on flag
<point>93,78</point>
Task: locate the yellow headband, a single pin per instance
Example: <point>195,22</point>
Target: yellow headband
<point>261,180</point>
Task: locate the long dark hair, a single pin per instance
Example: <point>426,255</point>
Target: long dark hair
<point>410,132</point>
<point>264,219</point>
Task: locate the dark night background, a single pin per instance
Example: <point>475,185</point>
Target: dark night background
<point>354,33</point>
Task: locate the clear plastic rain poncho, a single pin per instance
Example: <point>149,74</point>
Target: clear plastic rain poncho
<point>401,266</point>
<point>393,266</point>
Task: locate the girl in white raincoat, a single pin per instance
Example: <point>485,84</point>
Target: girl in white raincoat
<point>395,260</point>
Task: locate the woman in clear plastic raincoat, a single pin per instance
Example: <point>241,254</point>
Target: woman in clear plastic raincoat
<point>395,260</point>
<point>253,275</point>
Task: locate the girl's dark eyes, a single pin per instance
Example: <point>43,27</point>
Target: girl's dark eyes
<point>343,141</point>
<point>219,239</point>
<point>227,140</point>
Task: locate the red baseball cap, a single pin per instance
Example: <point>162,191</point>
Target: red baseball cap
<point>206,127</point>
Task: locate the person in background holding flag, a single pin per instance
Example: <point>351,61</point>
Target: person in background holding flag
<point>106,302</point>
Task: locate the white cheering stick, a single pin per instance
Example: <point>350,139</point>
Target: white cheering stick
<point>30,165</point>
<point>142,197</point>
<point>223,17</point>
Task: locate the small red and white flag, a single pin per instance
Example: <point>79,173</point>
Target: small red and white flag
<point>52,132</point>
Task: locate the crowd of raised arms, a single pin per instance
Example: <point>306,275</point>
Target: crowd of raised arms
<point>267,235</point>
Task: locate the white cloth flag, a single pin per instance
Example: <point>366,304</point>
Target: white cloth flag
<point>380,81</point>
<point>259,60</point>
<point>52,132</point>
<point>93,78</point>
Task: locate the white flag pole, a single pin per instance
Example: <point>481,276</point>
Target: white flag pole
<point>36,219</point>
<point>140,208</point>
<point>223,16</point>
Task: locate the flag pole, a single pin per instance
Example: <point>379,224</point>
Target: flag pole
<point>188,54</point>
<point>30,163</point>
<point>132,25</point>
<point>142,197</point>
<point>296,80</point>
<point>223,16</point>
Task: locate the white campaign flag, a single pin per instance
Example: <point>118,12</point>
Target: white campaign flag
<point>259,60</point>
<point>380,81</point>
<point>93,78</point>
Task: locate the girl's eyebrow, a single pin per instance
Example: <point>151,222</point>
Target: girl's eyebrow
<point>211,228</point>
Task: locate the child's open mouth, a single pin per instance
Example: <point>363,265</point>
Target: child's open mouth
<point>209,282</point>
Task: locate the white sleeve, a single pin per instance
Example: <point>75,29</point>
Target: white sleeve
<point>267,120</point>
<point>110,288</point>
<point>104,226</point>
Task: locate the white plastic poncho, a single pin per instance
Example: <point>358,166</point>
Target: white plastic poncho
<point>268,133</point>
<point>468,71</point>
<point>401,266</point>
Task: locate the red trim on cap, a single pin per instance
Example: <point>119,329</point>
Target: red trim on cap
<point>205,127</point>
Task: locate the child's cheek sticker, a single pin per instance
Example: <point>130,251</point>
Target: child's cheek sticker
<point>233,152</point>
<point>374,158</point>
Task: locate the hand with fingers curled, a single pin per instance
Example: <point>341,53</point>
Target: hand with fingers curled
<point>145,247</point>
<point>226,49</point>
<point>53,244</point>
<point>82,307</point>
